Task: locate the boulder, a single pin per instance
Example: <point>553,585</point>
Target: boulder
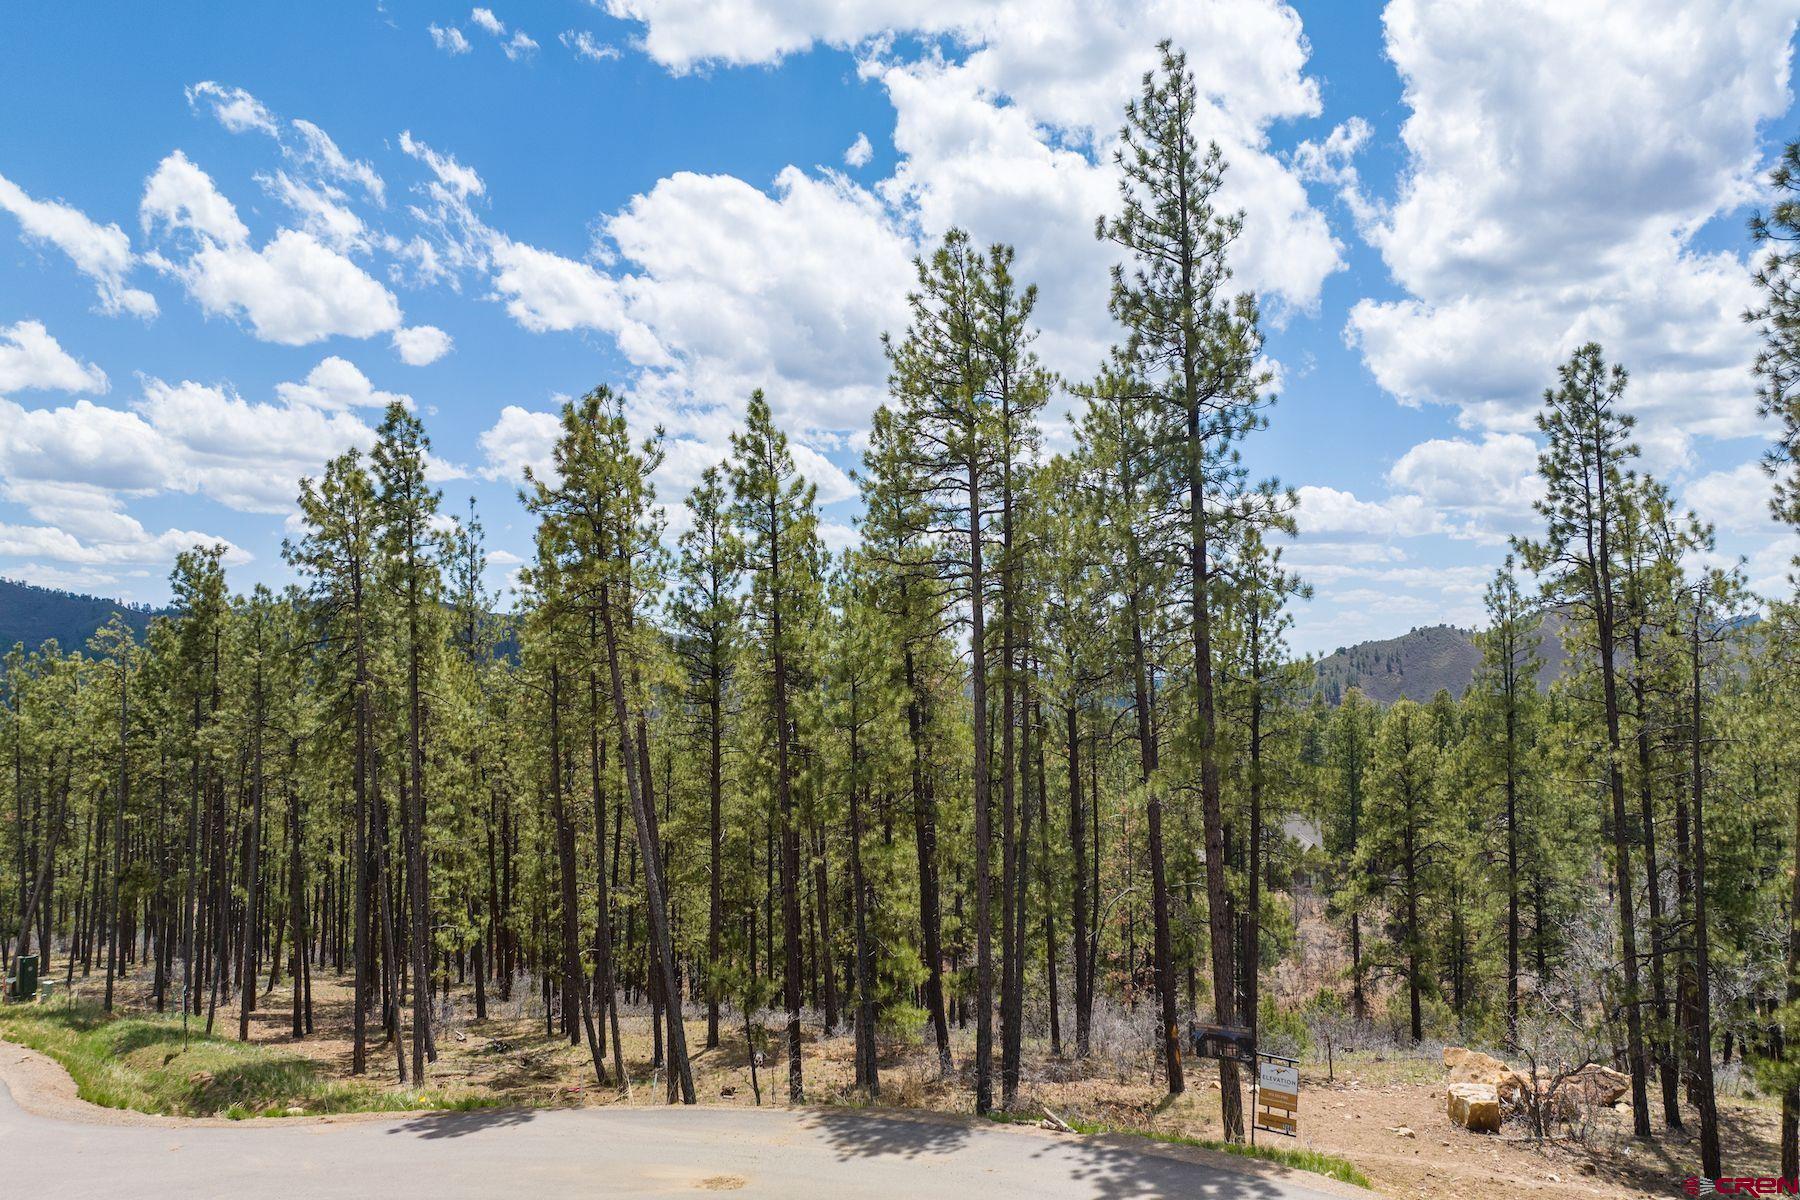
<point>1597,1085</point>
<point>1472,1066</point>
<point>1474,1106</point>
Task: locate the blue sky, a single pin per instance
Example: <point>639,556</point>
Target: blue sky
<point>229,233</point>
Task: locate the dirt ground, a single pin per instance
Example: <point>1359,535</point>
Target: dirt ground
<point>1363,1114</point>
<point>1357,1115</point>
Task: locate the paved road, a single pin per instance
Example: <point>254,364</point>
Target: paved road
<point>538,1155</point>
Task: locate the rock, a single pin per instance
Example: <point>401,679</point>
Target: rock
<point>1405,1132</point>
<point>1474,1106</point>
<point>1597,1085</point>
<point>729,1089</point>
<point>1472,1066</point>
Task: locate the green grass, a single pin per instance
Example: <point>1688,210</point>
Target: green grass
<point>1316,1161</point>
<point>141,1063</point>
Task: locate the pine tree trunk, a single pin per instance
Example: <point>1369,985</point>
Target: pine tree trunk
<point>984,921</point>
<point>1084,997</point>
<point>1231,1105</point>
<point>868,1075</point>
<point>1512,847</point>
<point>925,843</point>
<point>253,868</point>
<point>1790,1095</point>
<point>1622,880</point>
<point>1663,1041</point>
<point>112,946</point>
<point>1046,883</point>
<point>1148,765</point>
<point>662,952</point>
<point>606,972</point>
<point>1701,1048</point>
<point>715,786</point>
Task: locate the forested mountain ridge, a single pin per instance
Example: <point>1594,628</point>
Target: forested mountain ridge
<point>1415,664</point>
<point>1423,661</point>
<point>33,615</point>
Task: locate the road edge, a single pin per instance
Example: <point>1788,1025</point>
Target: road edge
<point>43,1087</point>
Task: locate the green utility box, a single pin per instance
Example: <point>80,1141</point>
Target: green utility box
<point>25,977</point>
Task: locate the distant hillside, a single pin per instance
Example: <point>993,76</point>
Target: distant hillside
<point>1417,664</point>
<point>32,614</point>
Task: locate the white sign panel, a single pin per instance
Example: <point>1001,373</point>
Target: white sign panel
<point>1277,1078</point>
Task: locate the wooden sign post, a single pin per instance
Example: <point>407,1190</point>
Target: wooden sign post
<point>1277,1095</point>
<point>1233,1043</point>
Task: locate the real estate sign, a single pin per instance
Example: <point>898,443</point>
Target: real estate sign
<point>1278,1096</point>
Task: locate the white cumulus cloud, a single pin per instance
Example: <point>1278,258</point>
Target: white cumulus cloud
<point>449,39</point>
<point>1559,159</point>
<point>294,290</point>
<point>31,359</point>
<point>101,252</point>
<point>421,345</point>
<point>586,46</point>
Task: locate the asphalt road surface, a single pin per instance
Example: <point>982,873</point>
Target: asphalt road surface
<point>595,1152</point>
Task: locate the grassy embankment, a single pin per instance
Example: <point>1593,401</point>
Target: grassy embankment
<point>145,1063</point>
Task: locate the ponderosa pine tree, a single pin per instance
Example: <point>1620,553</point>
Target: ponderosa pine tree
<point>1585,467</point>
<point>198,583</point>
<point>255,654</point>
<point>1198,348</point>
<point>1016,387</point>
<point>705,614</point>
<point>599,500</point>
<point>336,557</point>
<point>1077,632</point>
<point>774,513</point>
<point>1139,543</point>
<point>942,398</point>
<point>115,646</point>
<point>1777,319</point>
<point>1349,764</point>
<point>1711,601</point>
<point>1504,694</point>
<point>411,575</point>
<point>1401,842</point>
<point>908,588</point>
<point>854,706</point>
<point>1258,670</point>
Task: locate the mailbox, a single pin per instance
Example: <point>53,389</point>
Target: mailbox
<point>25,976</point>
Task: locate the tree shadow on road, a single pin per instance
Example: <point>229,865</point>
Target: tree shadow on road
<point>1115,1170</point>
<point>857,1133</point>
<point>1107,1167</point>
<point>436,1126</point>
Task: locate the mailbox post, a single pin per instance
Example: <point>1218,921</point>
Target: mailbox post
<point>25,976</point>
